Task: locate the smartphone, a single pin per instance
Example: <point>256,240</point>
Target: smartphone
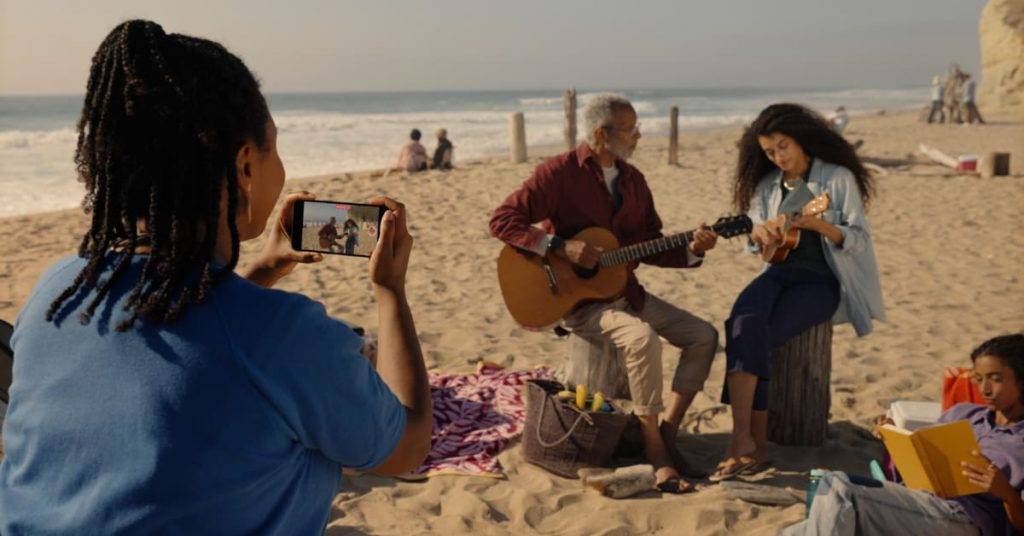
<point>336,227</point>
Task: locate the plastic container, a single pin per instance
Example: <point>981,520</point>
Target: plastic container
<point>967,163</point>
<point>812,488</point>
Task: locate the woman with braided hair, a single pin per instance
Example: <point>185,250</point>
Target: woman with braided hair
<point>156,389</point>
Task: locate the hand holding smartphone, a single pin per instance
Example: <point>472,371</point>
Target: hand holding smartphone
<point>336,227</point>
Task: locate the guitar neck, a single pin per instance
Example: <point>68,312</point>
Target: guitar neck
<point>645,249</point>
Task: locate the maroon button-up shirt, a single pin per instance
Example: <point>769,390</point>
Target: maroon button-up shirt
<point>567,194</point>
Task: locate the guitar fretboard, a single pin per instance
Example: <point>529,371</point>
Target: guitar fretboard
<point>644,249</point>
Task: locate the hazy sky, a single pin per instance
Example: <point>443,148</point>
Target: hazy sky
<point>310,45</point>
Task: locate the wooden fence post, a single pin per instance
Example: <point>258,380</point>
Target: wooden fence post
<point>517,138</point>
<point>569,103</point>
<point>799,398</point>
<point>673,136</point>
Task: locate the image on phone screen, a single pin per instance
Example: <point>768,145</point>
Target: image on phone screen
<point>337,227</point>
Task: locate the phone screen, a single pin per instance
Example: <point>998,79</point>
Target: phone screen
<point>337,227</point>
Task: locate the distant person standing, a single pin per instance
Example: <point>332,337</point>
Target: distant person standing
<point>937,101</point>
<point>970,109</point>
<point>350,230</point>
<point>952,95</point>
<point>413,155</point>
<point>443,152</point>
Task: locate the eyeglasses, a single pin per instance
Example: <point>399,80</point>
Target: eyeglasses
<point>634,131</point>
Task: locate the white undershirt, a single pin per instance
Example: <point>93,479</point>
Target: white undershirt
<point>610,174</point>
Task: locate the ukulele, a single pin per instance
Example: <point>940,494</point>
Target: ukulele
<point>539,290</point>
<point>777,252</point>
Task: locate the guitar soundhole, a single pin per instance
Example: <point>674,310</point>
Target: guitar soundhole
<point>585,273</point>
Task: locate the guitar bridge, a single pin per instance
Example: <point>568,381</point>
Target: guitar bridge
<point>550,274</point>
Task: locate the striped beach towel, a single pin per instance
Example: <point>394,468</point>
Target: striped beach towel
<point>475,417</point>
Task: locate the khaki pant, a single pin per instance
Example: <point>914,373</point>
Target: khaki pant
<point>636,335</point>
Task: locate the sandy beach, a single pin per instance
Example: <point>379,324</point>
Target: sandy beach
<point>950,250</point>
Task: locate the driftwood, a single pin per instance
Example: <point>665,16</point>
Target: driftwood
<point>937,156</point>
<point>759,493</point>
<point>876,169</point>
<point>799,397</point>
<point>621,483</point>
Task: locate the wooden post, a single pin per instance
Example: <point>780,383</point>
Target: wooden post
<point>673,136</point>
<point>569,103</point>
<point>517,138</point>
<point>596,364</point>
<point>799,397</point>
<point>994,165</point>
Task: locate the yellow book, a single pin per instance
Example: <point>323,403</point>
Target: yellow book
<point>929,458</point>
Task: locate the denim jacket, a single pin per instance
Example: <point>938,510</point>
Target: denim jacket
<point>853,263</point>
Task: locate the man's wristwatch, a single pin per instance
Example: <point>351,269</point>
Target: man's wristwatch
<point>555,243</point>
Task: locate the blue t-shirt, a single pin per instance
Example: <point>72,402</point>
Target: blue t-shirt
<point>237,419</point>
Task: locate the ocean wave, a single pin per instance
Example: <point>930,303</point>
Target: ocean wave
<point>641,106</point>
<point>24,139</point>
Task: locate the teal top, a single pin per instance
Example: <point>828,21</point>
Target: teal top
<point>853,263</point>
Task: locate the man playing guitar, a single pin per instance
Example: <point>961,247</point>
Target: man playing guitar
<point>594,186</point>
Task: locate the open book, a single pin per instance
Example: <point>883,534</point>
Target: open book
<point>929,458</point>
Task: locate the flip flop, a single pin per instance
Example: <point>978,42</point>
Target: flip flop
<point>759,467</point>
<point>675,486</point>
<point>744,463</point>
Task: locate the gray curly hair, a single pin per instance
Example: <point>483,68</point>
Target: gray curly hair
<point>599,112</point>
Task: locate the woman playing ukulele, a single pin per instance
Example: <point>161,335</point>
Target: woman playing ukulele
<point>787,157</point>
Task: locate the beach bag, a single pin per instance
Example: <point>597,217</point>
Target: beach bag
<point>562,438</point>
<point>957,388</point>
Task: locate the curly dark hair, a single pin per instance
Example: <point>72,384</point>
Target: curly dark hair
<point>162,122</point>
<point>811,132</point>
<point>1010,350</point>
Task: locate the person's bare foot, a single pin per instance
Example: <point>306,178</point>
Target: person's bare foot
<point>739,458</point>
<point>668,437</point>
<point>666,479</point>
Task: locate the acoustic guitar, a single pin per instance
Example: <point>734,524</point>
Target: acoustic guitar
<point>539,290</point>
<point>777,252</point>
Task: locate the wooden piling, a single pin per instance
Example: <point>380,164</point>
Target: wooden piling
<point>517,138</point>
<point>569,104</point>
<point>673,136</point>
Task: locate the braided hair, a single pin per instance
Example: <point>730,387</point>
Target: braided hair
<point>163,119</point>
<point>811,132</point>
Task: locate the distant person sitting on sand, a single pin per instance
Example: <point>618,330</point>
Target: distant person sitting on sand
<point>970,109</point>
<point>413,155</point>
<point>328,235</point>
<point>842,507</point>
<point>937,89</point>
<point>160,387</point>
<point>839,120</point>
<point>443,152</point>
<point>787,157</point>
<point>350,230</point>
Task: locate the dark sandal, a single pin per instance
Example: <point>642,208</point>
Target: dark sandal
<point>676,486</point>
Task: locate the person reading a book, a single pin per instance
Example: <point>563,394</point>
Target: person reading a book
<point>995,473</point>
<point>788,157</point>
